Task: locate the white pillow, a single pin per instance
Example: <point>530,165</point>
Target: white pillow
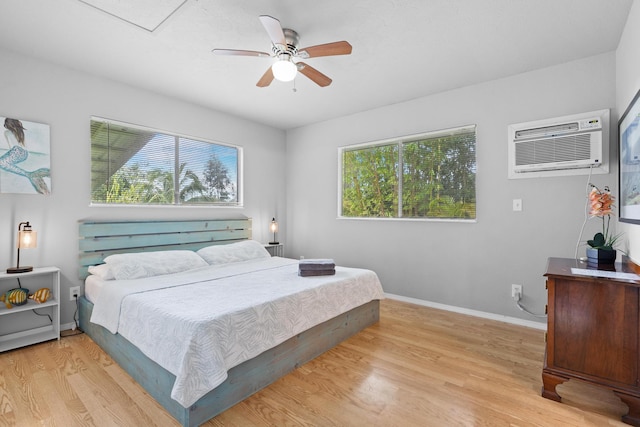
<point>234,252</point>
<point>103,271</point>
<point>149,264</point>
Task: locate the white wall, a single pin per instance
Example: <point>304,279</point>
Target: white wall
<point>465,265</point>
<point>65,99</point>
<point>627,85</point>
<point>470,265</point>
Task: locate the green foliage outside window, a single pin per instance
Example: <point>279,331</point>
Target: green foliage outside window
<point>429,176</point>
<point>370,184</point>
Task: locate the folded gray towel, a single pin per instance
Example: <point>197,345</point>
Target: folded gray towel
<point>316,264</point>
<point>325,272</point>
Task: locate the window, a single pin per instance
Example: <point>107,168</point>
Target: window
<point>431,175</point>
<point>140,166</point>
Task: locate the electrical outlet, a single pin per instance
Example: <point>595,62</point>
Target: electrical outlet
<point>74,292</point>
<point>517,205</point>
<point>516,292</point>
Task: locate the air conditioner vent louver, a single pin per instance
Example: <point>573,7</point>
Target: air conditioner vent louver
<point>551,150</point>
<point>547,130</point>
<point>558,144</point>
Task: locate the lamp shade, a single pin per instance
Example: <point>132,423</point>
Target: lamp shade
<point>284,70</point>
<point>27,239</point>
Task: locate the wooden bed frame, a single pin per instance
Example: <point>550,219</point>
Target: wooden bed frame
<point>100,239</point>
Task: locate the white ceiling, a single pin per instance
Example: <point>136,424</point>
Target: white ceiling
<point>402,49</point>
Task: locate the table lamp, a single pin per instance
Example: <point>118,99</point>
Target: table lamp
<point>273,227</point>
<point>27,238</point>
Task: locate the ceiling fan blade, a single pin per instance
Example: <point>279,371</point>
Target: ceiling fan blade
<point>316,76</point>
<point>274,29</point>
<point>266,78</point>
<point>327,49</point>
<point>236,52</point>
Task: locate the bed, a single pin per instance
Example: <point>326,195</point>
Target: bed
<point>207,363</point>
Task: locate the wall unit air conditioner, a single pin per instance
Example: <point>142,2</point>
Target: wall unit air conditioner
<point>560,144</point>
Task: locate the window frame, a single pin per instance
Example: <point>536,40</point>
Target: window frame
<point>400,141</point>
<point>240,170</point>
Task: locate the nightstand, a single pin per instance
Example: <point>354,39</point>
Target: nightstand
<point>18,326</point>
<point>275,249</point>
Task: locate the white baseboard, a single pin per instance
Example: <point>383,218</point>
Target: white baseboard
<point>476,313</point>
<point>68,326</point>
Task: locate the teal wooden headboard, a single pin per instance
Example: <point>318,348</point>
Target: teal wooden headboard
<point>99,239</point>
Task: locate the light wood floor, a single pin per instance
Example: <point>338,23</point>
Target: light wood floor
<point>417,367</point>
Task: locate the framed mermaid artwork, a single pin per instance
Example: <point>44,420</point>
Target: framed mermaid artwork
<point>25,157</point>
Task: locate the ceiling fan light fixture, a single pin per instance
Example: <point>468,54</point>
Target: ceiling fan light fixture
<point>284,48</point>
<point>284,70</point>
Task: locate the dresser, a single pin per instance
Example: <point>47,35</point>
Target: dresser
<point>593,328</point>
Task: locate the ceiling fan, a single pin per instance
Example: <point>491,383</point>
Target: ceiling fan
<point>285,48</point>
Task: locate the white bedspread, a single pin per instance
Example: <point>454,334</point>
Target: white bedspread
<point>201,323</point>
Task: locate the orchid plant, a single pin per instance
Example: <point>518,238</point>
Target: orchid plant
<point>601,202</point>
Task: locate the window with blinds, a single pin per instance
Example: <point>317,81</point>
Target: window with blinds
<point>430,175</point>
<point>133,165</point>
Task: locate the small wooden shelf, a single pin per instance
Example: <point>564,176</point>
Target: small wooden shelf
<point>30,305</point>
<point>28,337</point>
<point>275,249</point>
<point>44,277</point>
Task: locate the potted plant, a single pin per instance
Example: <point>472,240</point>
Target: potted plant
<point>602,247</point>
